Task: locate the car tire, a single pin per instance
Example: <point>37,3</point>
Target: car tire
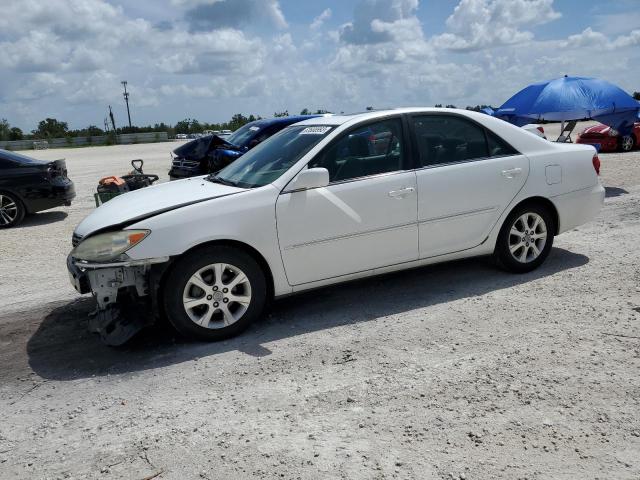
<point>12,210</point>
<point>214,293</point>
<point>626,143</point>
<point>518,250</point>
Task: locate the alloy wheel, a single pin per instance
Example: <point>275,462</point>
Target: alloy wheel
<point>627,143</point>
<point>527,237</point>
<point>8,210</point>
<point>217,295</point>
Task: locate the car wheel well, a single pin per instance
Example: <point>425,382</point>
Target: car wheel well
<point>17,197</point>
<point>546,203</point>
<point>11,192</point>
<point>257,256</point>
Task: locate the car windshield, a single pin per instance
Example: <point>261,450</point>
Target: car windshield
<point>242,136</point>
<point>269,160</point>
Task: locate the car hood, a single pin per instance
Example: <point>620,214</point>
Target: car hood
<point>147,202</point>
<point>199,148</point>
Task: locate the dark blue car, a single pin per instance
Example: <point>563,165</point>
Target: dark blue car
<point>211,153</point>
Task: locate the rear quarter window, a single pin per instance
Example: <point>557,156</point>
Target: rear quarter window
<point>498,147</point>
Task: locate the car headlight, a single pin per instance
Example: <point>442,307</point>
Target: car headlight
<point>109,246</point>
<point>613,132</point>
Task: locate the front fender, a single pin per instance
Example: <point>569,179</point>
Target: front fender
<point>248,218</point>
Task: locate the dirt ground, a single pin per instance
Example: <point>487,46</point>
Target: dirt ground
<point>455,371</point>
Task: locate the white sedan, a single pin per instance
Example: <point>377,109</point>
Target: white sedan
<point>324,201</point>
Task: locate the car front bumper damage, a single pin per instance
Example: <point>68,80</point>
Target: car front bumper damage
<point>123,292</point>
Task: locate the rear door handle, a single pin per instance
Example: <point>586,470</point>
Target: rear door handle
<point>511,172</point>
<point>403,192</point>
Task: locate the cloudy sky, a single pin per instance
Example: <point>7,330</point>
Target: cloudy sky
<point>209,59</point>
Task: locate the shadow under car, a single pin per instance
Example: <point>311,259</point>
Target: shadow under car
<point>63,349</point>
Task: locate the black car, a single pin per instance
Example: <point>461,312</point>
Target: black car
<point>212,153</point>
<point>28,185</point>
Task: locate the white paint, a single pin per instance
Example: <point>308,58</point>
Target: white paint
<point>355,229</point>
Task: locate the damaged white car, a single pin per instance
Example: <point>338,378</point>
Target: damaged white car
<point>324,201</point>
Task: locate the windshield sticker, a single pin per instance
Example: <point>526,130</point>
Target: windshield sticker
<point>254,129</point>
<point>315,130</point>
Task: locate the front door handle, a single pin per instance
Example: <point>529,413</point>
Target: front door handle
<point>403,192</point>
<point>511,172</point>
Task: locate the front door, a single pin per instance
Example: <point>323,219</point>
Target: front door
<point>365,218</point>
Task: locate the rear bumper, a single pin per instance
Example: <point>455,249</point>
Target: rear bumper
<point>56,194</point>
<point>607,144</point>
<point>579,207</point>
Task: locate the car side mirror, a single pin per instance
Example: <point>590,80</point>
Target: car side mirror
<point>310,178</point>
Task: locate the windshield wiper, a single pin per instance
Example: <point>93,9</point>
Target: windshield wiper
<point>223,181</point>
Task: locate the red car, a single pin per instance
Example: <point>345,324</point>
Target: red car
<point>609,139</point>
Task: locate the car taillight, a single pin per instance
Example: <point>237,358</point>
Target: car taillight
<point>596,163</point>
<point>541,130</point>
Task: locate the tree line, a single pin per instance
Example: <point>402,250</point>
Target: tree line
<point>53,128</point>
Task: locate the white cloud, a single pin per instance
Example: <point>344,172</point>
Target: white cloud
<point>390,13</point>
<point>477,24</point>
<point>66,58</point>
<point>593,39</point>
<point>320,19</point>
<point>207,15</point>
<point>222,52</point>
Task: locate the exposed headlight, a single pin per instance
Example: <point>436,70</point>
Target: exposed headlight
<point>613,132</point>
<point>108,246</point>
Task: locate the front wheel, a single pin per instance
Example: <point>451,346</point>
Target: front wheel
<point>525,239</point>
<point>627,143</point>
<point>214,293</point>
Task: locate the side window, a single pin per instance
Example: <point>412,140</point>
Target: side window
<point>370,150</point>
<point>498,147</point>
<point>448,139</point>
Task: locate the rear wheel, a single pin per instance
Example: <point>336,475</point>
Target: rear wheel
<point>525,239</point>
<point>11,210</point>
<point>627,142</point>
<point>215,293</point>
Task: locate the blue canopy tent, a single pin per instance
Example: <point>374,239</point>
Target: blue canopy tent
<point>572,98</point>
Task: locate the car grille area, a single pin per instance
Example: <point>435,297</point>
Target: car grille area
<point>182,163</point>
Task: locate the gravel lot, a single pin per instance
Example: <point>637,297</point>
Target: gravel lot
<point>451,371</point>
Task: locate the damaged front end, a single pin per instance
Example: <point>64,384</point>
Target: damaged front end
<point>123,288</point>
<point>124,295</point>
<point>203,155</point>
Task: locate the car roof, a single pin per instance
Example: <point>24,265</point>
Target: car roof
<point>266,122</point>
<point>373,114</point>
<point>517,137</point>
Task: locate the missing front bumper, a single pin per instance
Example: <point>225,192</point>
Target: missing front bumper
<point>122,295</point>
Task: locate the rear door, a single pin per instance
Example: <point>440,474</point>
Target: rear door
<point>466,178</point>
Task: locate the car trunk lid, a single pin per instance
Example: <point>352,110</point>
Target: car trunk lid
<point>596,131</point>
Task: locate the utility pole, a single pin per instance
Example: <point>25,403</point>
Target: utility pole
<point>113,122</point>
<point>126,99</point>
<point>106,125</point>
